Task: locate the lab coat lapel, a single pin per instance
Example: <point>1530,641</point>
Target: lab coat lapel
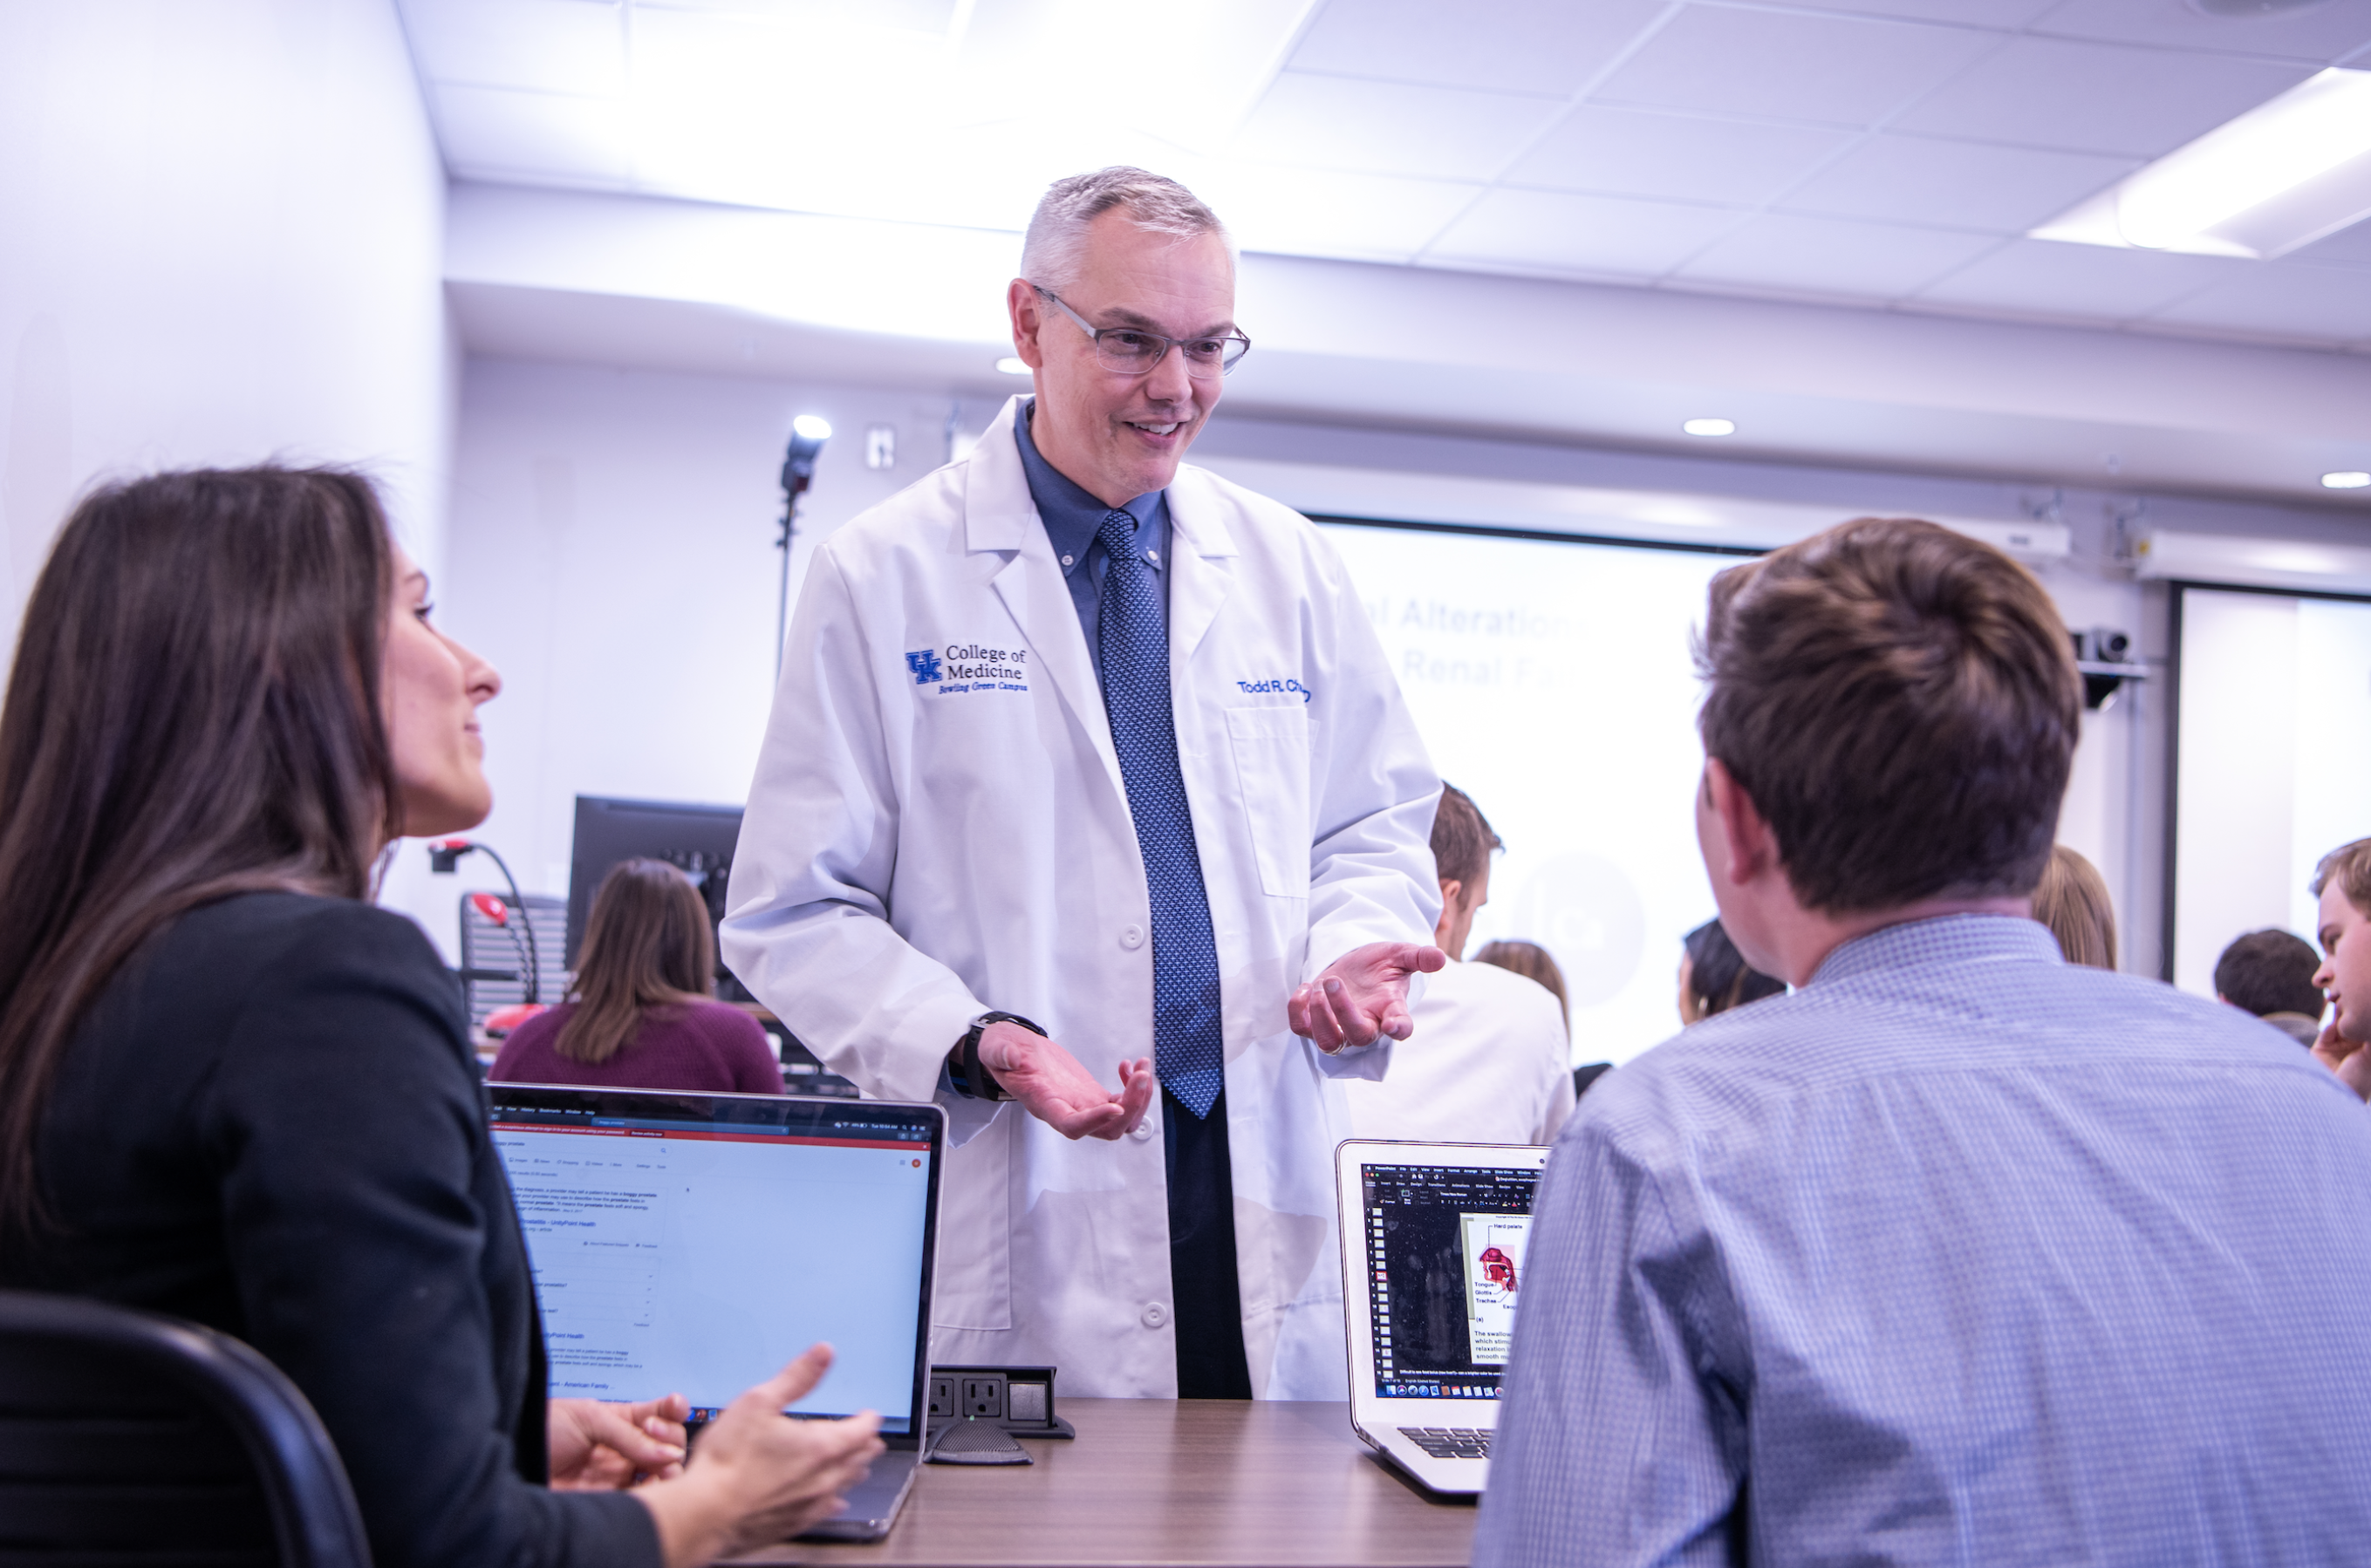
<point>1201,557</point>
<point>999,516</point>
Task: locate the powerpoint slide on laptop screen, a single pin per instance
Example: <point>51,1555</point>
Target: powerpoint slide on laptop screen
<point>2272,749</point>
<point>698,1261</point>
<point>1445,1261</point>
<point>1553,683</point>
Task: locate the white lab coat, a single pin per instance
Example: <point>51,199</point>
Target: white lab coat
<point>937,827</point>
<point>1487,1063</point>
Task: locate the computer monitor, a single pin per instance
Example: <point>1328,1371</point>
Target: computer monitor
<point>698,840</point>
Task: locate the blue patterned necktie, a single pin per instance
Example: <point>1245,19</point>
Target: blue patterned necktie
<point>1188,1047</point>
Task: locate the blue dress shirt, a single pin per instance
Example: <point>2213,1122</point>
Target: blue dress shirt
<point>1960,1254</point>
<point>1072,516</point>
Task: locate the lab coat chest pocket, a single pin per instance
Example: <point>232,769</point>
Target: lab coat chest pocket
<point>1271,747</point>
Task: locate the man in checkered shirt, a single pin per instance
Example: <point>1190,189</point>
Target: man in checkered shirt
<point>1958,1253</point>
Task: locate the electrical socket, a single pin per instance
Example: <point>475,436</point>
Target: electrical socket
<point>1019,1399</point>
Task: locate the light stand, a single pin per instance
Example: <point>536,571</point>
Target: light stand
<point>807,435</point>
<point>445,854</point>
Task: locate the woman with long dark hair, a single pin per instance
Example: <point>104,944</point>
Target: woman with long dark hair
<point>233,1092</point>
<point>639,1015</point>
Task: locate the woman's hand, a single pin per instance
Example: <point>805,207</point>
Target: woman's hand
<point>599,1447</point>
<point>761,1477</point>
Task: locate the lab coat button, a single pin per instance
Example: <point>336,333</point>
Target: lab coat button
<point>1155,1315</point>
<point>1143,1129</point>
<point>1131,937</point>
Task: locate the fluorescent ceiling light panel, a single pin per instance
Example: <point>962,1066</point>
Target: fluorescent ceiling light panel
<point>2281,176</point>
<point>2346,478</point>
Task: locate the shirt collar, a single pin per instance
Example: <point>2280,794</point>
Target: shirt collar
<point>1946,938</point>
<point>1071,516</point>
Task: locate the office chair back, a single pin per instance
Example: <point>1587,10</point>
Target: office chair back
<point>132,1439</point>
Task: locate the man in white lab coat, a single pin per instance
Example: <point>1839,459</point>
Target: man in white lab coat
<point>1089,807</point>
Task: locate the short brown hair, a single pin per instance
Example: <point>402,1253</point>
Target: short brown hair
<point>2072,900</point>
<point>647,944</point>
<point>1900,703</point>
<point>2349,866</point>
<point>1461,839</point>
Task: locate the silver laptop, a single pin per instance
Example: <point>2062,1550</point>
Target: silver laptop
<point>694,1243</point>
<point>1432,1266</point>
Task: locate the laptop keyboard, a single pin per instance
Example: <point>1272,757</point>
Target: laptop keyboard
<point>1450,1442</point>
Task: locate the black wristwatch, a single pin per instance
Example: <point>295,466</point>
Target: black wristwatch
<point>970,1075</point>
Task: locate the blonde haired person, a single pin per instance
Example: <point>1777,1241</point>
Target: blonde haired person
<point>639,1015</point>
<point>2072,900</point>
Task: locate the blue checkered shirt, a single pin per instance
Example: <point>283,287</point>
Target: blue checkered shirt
<point>1960,1254</point>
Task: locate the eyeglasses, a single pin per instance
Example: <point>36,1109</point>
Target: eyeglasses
<point>1135,351</point>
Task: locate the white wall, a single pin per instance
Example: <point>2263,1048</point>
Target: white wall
<point>224,227</point>
<point>612,554</point>
<point>221,241</point>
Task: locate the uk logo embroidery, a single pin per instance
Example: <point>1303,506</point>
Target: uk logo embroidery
<point>924,662</point>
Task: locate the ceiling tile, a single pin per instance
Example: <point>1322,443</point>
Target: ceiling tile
<point>2350,246</point>
<point>2042,277</point>
<point>492,133</point>
<point>2040,92</point>
<point>1296,212</point>
<point>1545,46</point>
<point>2326,305</point>
<point>1828,70</point>
<point>553,46</point>
<point>1917,179</point>
<point>1637,152</point>
<point>1390,128</point>
<point>1592,236</point>
<point>2322,34</point>
<point>1833,257</point>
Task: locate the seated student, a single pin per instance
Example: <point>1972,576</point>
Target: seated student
<point>2071,899</point>
<point>1714,977</point>
<point>1533,961</point>
<point>2270,974</point>
<point>233,1092</point>
<point>639,1015</point>
<point>1488,1062</point>
<point>1960,1254</point>
<point>2343,883</point>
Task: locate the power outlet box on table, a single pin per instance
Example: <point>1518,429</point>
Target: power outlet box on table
<point>1018,1398</point>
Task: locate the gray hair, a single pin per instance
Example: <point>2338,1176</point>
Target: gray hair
<point>1056,247</point>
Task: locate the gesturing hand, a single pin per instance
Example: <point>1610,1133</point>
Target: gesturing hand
<point>1052,1086</point>
<point>760,1476</point>
<point>599,1446</point>
<point>1362,996</point>
<point>2349,1059</point>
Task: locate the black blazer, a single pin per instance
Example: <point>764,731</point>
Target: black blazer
<point>270,1122</point>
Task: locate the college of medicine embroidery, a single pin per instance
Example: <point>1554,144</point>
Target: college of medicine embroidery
<point>961,667</point>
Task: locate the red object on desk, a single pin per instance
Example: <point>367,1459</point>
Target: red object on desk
<point>502,1020</point>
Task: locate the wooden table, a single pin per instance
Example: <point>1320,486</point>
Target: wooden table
<point>1164,1481</point>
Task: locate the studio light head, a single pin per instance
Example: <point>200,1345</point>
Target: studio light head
<point>808,432</point>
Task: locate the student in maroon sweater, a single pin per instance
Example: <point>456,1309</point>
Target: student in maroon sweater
<point>640,1016</point>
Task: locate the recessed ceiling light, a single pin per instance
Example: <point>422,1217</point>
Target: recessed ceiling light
<point>2346,478</point>
<point>2285,174</point>
<point>1013,364</point>
<point>1711,427</point>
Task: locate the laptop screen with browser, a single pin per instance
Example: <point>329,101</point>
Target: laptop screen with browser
<point>694,1243</point>
<point>1444,1252</point>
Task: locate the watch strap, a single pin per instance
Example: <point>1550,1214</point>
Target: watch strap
<point>971,1076</point>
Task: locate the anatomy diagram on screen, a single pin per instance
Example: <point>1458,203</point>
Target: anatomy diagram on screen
<point>1493,1248</point>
